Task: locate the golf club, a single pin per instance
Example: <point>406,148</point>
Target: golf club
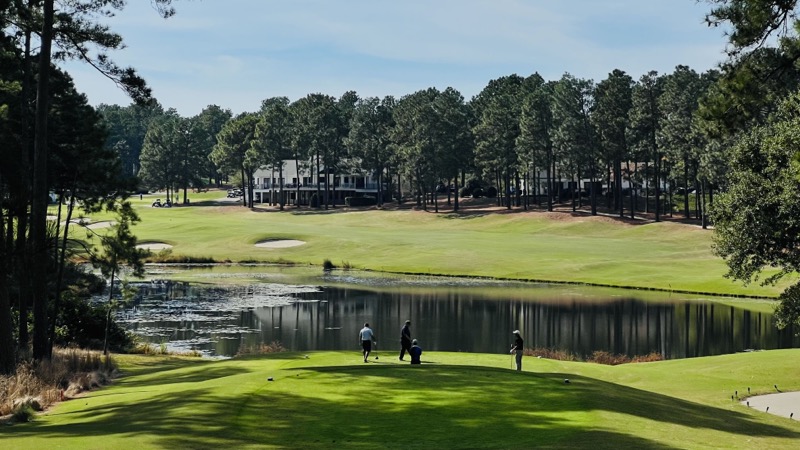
<point>376,350</point>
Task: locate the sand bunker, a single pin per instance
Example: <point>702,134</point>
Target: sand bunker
<point>280,243</point>
<point>786,404</point>
<point>154,246</point>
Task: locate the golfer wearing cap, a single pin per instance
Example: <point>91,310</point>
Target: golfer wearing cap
<point>405,339</point>
<point>516,348</point>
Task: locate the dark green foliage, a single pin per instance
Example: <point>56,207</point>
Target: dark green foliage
<point>758,218</point>
<point>23,413</point>
<point>360,201</point>
<point>788,311</point>
<point>753,21</point>
<point>83,325</point>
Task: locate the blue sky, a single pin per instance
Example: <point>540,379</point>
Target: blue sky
<point>235,53</point>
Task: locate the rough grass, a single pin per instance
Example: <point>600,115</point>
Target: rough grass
<point>533,245</point>
<point>453,400</point>
<point>68,373</point>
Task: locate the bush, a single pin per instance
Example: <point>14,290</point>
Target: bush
<point>477,193</point>
<point>314,201</point>
<point>23,413</point>
<point>491,192</point>
<point>360,201</point>
<point>327,265</point>
<point>261,349</point>
<point>466,191</point>
<point>68,372</point>
<point>82,324</point>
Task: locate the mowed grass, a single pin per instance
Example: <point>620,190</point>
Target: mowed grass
<point>453,400</point>
<point>535,245</point>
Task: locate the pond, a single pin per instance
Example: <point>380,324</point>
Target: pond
<point>221,312</point>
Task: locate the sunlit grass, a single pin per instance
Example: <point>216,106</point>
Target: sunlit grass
<point>454,400</point>
<point>534,246</point>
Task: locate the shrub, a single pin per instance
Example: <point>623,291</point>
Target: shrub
<point>650,357</point>
<point>598,357</point>
<point>465,191</point>
<point>69,372</point>
<point>360,201</point>
<point>327,265</point>
<point>314,201</point>
<point>550,353</point>
<point>602,357</point>
<point>261,349</point>
<point>82,324</point>
<point>477,193</point>
<point>491,192</point>
<point>23,413</point>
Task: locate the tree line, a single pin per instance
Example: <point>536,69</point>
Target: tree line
<point>623,142</point>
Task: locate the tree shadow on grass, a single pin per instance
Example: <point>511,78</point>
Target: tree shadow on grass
<point>198,372</point>
<point>391,406</point>
<point>591,394</point>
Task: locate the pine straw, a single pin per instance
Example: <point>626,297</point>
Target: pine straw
<point>597,357</point>
<point>69,372</point>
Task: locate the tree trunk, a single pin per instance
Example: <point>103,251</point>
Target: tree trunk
<point>631,190</point>
<point>550,172</point>
<point>703,205</point>
<point>108,312</point>
<point>22,266</point>
<point>646,187</point>
<point>280,181</point>
<point>7,353</point>
<point>657,171</point>
<point>299,182</point>
<point>61,263</point>
<point>39,193</point>
<point>686,186</point>
<point>244,186</point>
<point>399,189</point>
<point>455,194</point>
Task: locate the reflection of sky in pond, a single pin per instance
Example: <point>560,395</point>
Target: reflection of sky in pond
<point>324,312</point>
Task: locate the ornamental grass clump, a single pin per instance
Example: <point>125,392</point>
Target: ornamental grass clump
<point>67,373</point>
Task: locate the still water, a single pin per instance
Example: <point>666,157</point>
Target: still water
<point>314,312</point>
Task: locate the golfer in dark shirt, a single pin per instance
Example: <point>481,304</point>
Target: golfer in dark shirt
<point>405,339</point>
<point>516,349</point>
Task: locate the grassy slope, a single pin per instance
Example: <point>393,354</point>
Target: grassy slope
<point>521,245</point>
<point>331,399</point>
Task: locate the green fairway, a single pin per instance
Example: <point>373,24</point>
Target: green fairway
<point>521,245</point>
<point>454,400</point>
